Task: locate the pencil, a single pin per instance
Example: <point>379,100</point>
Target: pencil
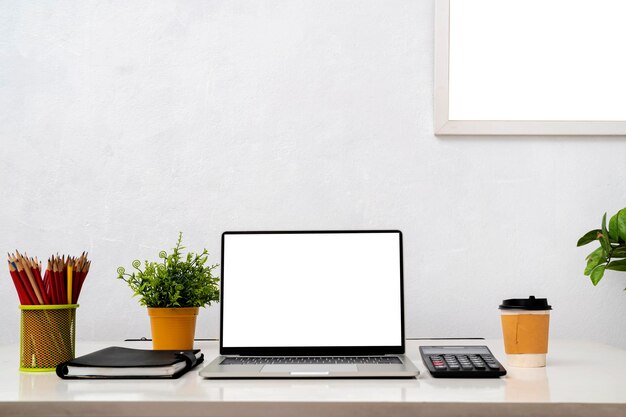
<point>21,292</point>
<point>76,279</point>
<point>69,281</point>
<point>83,275</point>
<point>26,268</point>
<point>25,282</point>
<point>46,283</point>
<point>37,275</point>
<point>61,281</point>
<point>53,279</point>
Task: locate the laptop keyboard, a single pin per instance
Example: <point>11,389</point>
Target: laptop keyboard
<point>261,360</point>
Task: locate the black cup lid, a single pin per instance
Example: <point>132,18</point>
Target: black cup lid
<point>530,303</point>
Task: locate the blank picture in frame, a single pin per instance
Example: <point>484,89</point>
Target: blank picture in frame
<point>528,67</point>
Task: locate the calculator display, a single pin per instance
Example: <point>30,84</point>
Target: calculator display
<point>464,350</point>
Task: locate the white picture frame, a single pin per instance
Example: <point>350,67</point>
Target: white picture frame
<point>464,122</point>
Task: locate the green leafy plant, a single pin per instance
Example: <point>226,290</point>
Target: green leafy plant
<point>612,251</point>
<point>177,281</point>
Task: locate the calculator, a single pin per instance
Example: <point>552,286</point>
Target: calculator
<point>461,362</point>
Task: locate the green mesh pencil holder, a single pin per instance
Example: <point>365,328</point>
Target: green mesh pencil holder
<point>47,336</point>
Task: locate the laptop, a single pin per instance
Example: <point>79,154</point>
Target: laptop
<point>311,304</point>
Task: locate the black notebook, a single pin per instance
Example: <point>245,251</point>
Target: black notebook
<point>126,363</point>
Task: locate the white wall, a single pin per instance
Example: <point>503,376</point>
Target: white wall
<point>122,123</point>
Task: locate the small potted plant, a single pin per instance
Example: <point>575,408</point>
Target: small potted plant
<point>612,251</point>
<point>173,290</point>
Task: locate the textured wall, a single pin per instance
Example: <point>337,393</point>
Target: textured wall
<point>124,122</point>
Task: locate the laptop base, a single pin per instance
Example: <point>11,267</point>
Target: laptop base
<point>405,369</point>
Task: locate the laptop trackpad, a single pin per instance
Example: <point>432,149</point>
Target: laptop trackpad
<point>310,369</point>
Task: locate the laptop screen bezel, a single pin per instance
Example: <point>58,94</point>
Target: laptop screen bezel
<point>312,350</point>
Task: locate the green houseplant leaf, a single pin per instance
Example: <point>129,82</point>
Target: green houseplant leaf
<point>619,252</point>
<point>604,236</point>
<point>621,224</point>
<point>589,237</point>
<point>594,259</point>
<point>612,251</point>
<point>617,265</point>
<point>613,228</point>
<point>597,274</point>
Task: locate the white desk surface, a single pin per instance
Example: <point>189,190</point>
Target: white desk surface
<point>581,379</point>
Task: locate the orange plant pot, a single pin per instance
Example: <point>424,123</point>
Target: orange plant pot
<point>173,328</point>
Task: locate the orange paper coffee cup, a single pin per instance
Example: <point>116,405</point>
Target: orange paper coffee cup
<point>525,328</point>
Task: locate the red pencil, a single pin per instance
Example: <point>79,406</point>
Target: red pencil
<point>26,282</point>
<point>29,275</point>
<point>55,281</point>
<point>75,278</point>
<point>83,275</point>
<point>49,281</point>
<point>54,273</point>
<point>21,292</point>
<point>61,280</point>
<point>37,275</point>
<point>46,279</point>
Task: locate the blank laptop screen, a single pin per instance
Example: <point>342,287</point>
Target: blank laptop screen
<point>310,289</point>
